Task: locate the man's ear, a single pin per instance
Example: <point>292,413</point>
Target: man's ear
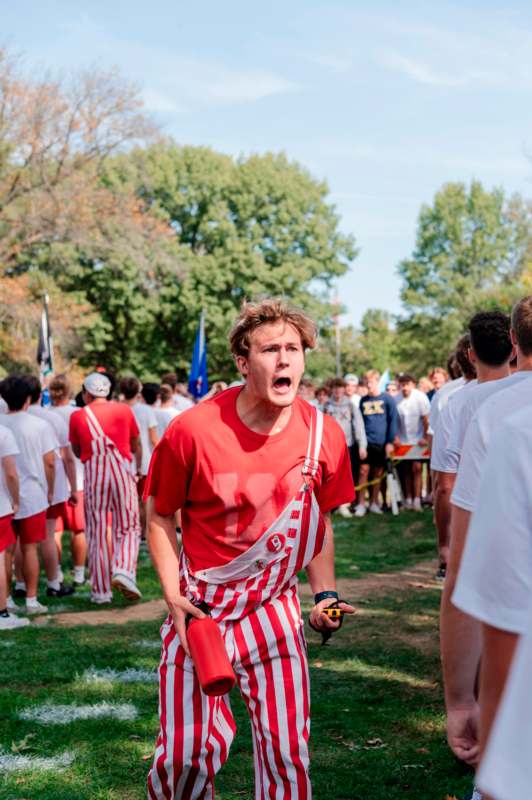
<point>242,365</point>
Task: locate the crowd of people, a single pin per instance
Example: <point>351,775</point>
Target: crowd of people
<point>79,464</point>
<point>76,464</point>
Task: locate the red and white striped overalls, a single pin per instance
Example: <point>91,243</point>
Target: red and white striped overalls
<point>109,486</point>
<point>254,600</point>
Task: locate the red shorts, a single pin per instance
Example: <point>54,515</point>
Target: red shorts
<point>7,536</point>
<point>31,529</point>
<point>72,517</point>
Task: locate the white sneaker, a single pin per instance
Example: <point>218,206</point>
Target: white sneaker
<point>11,605</point>
<point>11,621</point>
<point>344,511</point>
<point>375,509</point>
<point>36,608</point>
<point>360,511</point>
<point>417,504</point>
<point>99,600</point>
<point>128,587</point>
<point>409,504</point>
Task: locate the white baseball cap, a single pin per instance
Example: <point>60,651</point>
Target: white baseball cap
<point>351,378</point>
<point>97,384</point>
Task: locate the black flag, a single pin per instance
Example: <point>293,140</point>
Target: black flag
<point>45,354</point>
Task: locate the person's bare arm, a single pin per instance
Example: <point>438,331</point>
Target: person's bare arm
<point>321,577</point>
<point>153,436</point>
<point>164,552</point>
<point>425,421</point>
<point>49,471</point>
<point>136,449</point>
<point>498,648</point>
<point>70,469</point>
<point>460,640</point>
<point>9,466</point>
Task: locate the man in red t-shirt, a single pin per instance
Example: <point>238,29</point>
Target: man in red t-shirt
<point>105,436</point>
<point>256,472</point>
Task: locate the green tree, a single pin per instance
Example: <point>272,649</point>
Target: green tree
<point>472,251</point>
<point>256,226</point>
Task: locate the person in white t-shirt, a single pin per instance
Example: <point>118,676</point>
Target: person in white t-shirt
<point>74,520</point>
<point>506,769</point>
<point>494,585</point>
<point>351,386</point>
<point>442,484</point>
<point>64,490</point>
<point>413,408</point>
<point>460,630</point>
<point>490,353</point>
<point>36,470</point>
<point>166,411</point>
<point>130,389</point>
<point>179,400</point>
<point>9,502</point>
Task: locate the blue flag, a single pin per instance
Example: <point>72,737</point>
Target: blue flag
<point>198,384</point>
<point>384,381</point>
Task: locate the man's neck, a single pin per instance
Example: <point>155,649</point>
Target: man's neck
<point>132,401</point>
<point>97,401</point>
<point>486,373</point>
<point>260,416</point>
<point>524,363</point>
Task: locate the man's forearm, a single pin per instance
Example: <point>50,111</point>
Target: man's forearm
<point>49,471</point>
<point>461,645</point>
<point>320,571</point>
<point>460,634</point>
<point>70,468</point>
<point>497,656</point>
<point>164,550</point>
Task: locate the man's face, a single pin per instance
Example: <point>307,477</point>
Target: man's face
<point>274,364</point>
<point>407,388</point>
<point>338,392</point>
<point>392,389</point>
<point>438,379</point>
<point>350,388</point>
<point>373,386</point>
<point>322,396</point>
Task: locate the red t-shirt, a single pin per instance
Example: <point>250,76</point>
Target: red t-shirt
<point>117,421</point>
<point>232,483</point>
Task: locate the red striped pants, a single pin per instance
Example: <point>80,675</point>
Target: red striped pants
<point>268,652</point>
<point>110,488</point>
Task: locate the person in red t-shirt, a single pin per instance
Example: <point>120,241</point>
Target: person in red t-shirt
<point>105,436</point>
<point>256,472</point>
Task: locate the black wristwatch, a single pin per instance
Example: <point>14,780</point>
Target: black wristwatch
<point>325,596</point>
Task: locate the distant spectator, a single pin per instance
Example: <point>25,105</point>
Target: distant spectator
<point>424,385</point>
<point>166,411</point>
<point>351,386</point>
<point>350,420</point>
<point>379,413</point>
<point>306,390</point>
<point>322,395</point>
<point>392,389</point>
<point>413,408</point>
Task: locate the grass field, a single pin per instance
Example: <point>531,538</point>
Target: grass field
<point>377,721</point>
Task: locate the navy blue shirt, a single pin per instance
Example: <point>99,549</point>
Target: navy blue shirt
<point>380,418</point>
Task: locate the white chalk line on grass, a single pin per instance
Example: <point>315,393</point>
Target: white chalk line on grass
<point>49,714</point>
<point>10,762</point>
<point>108,675</point>
<point>149,644</point>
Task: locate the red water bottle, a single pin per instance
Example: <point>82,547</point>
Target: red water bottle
<point>207,650</point>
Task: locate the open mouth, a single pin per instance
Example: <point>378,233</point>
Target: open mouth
<point>282,383</point>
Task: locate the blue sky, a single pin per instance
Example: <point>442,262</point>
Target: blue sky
<point>386,101</point>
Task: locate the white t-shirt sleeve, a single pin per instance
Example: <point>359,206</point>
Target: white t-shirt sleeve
<point>467,482</point>
<point>8,443</point>
<point>506,770</point>
<point>495,580</point>
<point>424,405</point>
<point>151,418</point>
<point>441,459</point>
<point>48,439</point>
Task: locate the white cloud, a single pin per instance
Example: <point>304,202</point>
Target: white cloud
<point>418,71</point>
<point>160,103</point>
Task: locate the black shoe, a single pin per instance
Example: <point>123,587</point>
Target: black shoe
<point>19,592</point>
<point>440,575</point>
<point>64,591</point>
